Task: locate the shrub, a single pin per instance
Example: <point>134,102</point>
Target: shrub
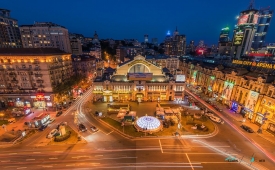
<point>62,138</point>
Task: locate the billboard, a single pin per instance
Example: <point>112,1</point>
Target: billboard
<point>194,75</point>
<point>140,76</point>
<point>227,90</point>
<point>255,19</point>
<point>243,19</point>
<point>251,100</point>
<point>210,83</point>
<point>238,38</point>
<point>180,78</point>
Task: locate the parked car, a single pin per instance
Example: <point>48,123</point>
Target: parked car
<point>59,113</point>
<point>43,127</point>
<point>52,133</point>
<point>247,128</point>
<point>51,120</point>
<point>82,128</point>
<point>94,129</point>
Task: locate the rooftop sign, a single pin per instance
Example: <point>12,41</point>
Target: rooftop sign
<point>254,64</point>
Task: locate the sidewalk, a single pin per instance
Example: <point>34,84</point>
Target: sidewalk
<point>239,118</point>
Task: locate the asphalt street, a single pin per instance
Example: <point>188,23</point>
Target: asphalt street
<point>107,149</point>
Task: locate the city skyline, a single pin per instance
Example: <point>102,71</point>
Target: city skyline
<point>132,20</point>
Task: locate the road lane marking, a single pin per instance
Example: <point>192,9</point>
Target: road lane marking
<point>58,151</point>
<point>36,152</point>
<point>98,155</point>
<point>189,161</point>
<point>12,153</point>
<point>160,146</point>
<point>6,161</point>
<point>47,166</point>
<point>21,168</point>
<point>52,158</point>
<point>196,153</point>
<point>30,159</point>
<point>110,132</point>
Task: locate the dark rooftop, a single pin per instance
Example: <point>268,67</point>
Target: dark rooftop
<point>30,51</point>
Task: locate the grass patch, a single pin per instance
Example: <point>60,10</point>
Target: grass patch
<point>206,122</point>
<point>73,139</point>
<point>3,122</point>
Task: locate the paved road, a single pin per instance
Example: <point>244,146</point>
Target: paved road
<point>106,149</point>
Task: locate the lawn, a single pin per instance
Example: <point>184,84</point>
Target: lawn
<point>3,122</point>
<point>73,139</point>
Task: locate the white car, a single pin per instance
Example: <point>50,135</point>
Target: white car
<point>216,119</point>
<point>52,133</point>
<point>209,114</point>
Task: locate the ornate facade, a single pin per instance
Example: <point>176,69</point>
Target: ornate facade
<point>251,94</point>
<point>137,80</point>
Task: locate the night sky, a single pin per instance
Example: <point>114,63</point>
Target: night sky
<point>119,19</point>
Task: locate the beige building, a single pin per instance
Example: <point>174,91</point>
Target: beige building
<point>137,80</point>
<point>28,76</point>
<point>45,35</point>
<point>250,93</point>
<point>76,46</point>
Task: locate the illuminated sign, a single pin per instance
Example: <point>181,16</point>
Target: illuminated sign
<point>251,100</point>
<point>40,96</point>
<point>255,19</point>
<point>255,64</point>
<point>227,90</point>
<point>180,78</point>
<point>140,76</point>
<point>243,19</point>
<point>194,76</point>
<point>238,38</point>
<point>211,82</point>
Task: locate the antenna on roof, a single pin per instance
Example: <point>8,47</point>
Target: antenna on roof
<point>251,5</point>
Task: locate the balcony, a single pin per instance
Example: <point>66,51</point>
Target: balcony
<point>14,81</point>
<point>37,68</point>
<point>39,81</point>
<point>10,69</point>
<point>40,86</point>
<point>38,75</point>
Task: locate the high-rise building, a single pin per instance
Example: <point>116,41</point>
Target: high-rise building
<point>155,41</point>
<point>76,46</point>
<point>9,31</point>
<point>244,32</point>
<point>95,49</point>
<point>45,35</point>
<point>224,42</point>
<point>265,16</point>
<point>146,36</point>
<point>175,45</point>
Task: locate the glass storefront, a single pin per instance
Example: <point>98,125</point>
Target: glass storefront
<point>271,128</point>
<point>259,119</point>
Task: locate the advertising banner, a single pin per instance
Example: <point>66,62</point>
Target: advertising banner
<point>251,100</point>
<point>255,19</point>
<point>180,78</point>
<point>140,76</point>
<point>210,83</point>
<point>238,38</point>
<point>243,19</point>
<point>194,76</point>
<point>227,90</point>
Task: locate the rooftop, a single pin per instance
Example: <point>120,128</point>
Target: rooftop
<point>30,51</point>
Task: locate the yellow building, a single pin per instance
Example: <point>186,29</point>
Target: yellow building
<point>249,93</point>
<point>138,80</point>
<point>28,76</point>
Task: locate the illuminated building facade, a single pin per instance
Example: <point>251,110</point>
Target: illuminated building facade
<point>250,93</point>
<point>45,35</point>
<point>224,42</point>
<point>9,31</point>
<point>175,45</point>
<point>28,76</point>
<point>138,80</point>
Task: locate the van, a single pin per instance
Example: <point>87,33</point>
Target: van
<point>11,120</point>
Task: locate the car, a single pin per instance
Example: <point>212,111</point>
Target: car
<point>51,120</point>
<point>209,114</point>
<point>93,128</point>
<point>12,120</point>
<point>59,113</point>
<point>215,119</point>
<point>82,128</point>
<point>43,127</point>
<point>247,128</point>
<point>52,133</point>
